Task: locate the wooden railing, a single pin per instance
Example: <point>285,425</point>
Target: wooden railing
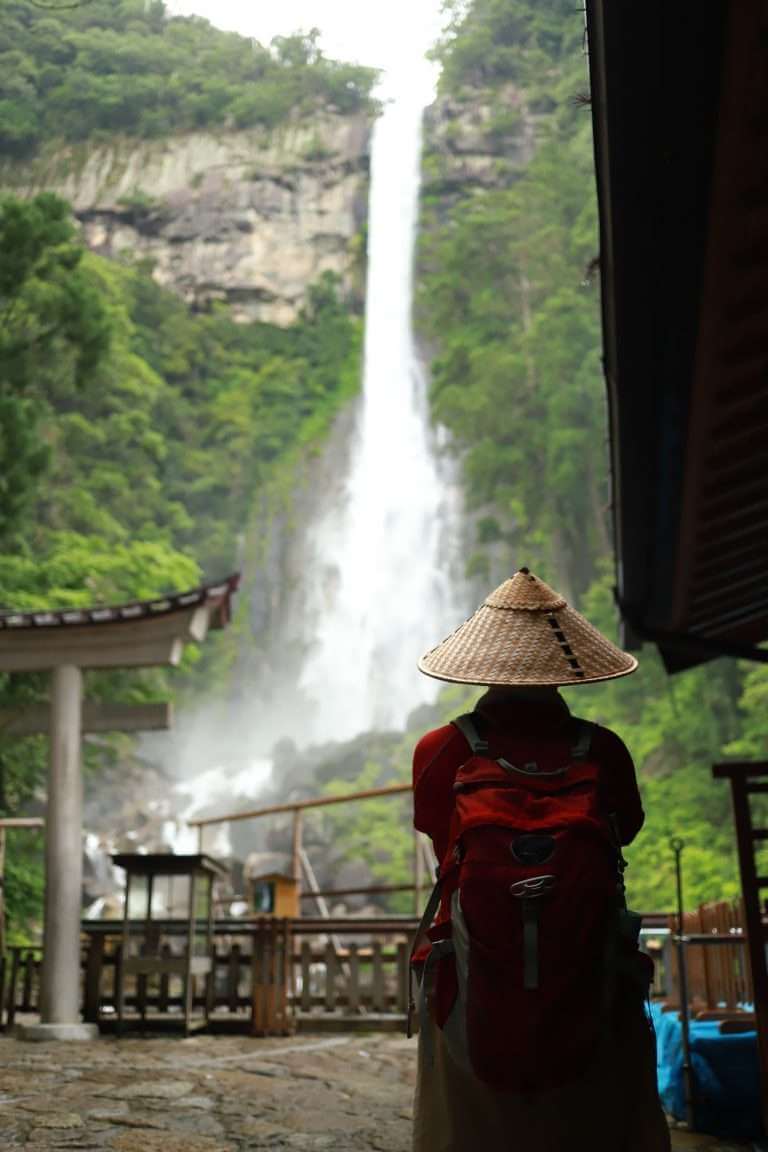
<point>343,970</point>
<point>338,971</point>
<point>716,959</point>
<point>19,982</point>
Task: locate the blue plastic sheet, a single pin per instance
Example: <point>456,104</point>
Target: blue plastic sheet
<point>726,1076</point>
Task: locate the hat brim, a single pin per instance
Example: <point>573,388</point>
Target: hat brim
<point>503,646</point>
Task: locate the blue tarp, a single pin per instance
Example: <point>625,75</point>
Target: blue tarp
<point>726,1076</point>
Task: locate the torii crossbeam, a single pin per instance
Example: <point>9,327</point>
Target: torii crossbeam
<point>137,635</point>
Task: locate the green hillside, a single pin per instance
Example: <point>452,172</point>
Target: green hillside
<point>133,438</point>
<point>123,67</point>
<point>509,301</point>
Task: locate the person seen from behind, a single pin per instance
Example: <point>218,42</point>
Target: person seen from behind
<point>533,1029</point>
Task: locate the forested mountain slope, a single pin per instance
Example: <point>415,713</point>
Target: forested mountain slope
<point>509,306</point>
<point>141,439</point>
<point>238,172</point>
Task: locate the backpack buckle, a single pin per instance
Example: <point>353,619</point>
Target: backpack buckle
<point>532,887</point>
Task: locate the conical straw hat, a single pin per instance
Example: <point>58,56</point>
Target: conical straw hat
<point>525,633</point>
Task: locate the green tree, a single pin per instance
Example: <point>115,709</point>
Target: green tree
<point>53,333</point>
<point>127,67</point>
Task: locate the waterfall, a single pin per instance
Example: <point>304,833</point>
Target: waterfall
<point>381,562</point>
<point>380,588</point>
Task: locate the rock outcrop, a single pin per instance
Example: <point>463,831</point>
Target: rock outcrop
<point>485,141</point>
<point>244,217</point>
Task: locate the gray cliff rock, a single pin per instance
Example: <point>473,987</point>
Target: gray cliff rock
<point>482,142</point>
<point>244,217</point>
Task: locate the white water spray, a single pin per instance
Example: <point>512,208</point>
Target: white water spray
<point>381,589</point>
<point>382,562</point>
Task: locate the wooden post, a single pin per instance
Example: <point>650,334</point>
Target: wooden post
<point>60,992</point>
<point>189,981</point>
<point>233,978</point>
<point>122,956</point>
<point>306,976</point>
<point>210,982</point>
<point>287,1019</point>
<point>753,924</point>
<point>747,779</point>
<point>296,848</point>
<point>353,990</point>
<point>378,999</point>
<point>93,969</point>
<point>257,978</point>
<point>330,977</point>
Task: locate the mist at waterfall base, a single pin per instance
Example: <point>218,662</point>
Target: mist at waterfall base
<point>382,558</point>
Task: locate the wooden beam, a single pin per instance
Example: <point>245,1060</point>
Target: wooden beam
<point>145,642</point>
<point>97,717</point>
<point>22,822</point>
<point>154,653</point>
<point>371,890</point>
<point>302,805</point>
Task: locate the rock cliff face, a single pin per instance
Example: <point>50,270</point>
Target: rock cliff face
<point>242,217</point>
<point>485,141</point>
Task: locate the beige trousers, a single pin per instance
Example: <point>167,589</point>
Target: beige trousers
<point>613,1107</point>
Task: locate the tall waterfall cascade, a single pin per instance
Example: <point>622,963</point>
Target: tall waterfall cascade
<point>382,587</point>
<point>381,562</point>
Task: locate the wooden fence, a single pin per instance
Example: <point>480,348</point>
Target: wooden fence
<point>716,959</point>
<point>269,976</point>
<point>343,972</point>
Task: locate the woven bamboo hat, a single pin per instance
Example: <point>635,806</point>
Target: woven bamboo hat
<point>525,633</point>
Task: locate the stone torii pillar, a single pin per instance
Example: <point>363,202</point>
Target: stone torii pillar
<point>65,796</point>
<point>138,635</point>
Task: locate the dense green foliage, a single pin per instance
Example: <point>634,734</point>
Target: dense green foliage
<point>150,429</point>
<point>52,332</point>
<point>116,67</point>
<point>505,301</point>
<point>492,43</point>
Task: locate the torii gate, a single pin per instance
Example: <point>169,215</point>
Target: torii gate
<point>138,635</point>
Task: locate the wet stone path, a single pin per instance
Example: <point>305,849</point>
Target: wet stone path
<point>217,1094</point>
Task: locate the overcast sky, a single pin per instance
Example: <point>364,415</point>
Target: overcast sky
<point>392,35</point>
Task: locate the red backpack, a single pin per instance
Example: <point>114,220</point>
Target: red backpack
<point>530,894</point>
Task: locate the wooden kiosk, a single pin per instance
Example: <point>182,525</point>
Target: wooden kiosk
<point>271,889</point>
<point>188,879</point>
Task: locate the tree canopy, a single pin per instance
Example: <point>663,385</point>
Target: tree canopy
<point>124,67</point>
<point>148,432</point>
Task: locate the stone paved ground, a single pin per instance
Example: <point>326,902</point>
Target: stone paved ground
<point>217,1094</point>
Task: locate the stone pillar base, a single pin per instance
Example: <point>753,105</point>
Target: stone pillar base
<point>56,1032</point>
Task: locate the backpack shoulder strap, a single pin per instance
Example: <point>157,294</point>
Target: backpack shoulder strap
<point>581,741</point>
<point>469,728</point>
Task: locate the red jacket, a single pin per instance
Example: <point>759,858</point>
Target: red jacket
<point>440,753</point>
